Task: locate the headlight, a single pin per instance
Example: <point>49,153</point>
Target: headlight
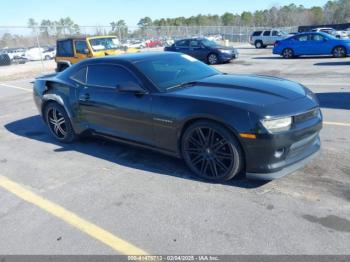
<point>277,124</point>
<point>225,51</point>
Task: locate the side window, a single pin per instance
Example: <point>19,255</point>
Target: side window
<point>195,43</point>
<point>65,48</point>
<point>257,33</point>
<point>302,38</point>
<point>317,37</point>
<point>108,76</point>
<point>81,47</point>
<point>80,76</point>
<point>275,33</point>
<point>182,43</point>
<point>267,33</point>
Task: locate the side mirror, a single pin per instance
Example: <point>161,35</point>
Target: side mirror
<point>130,87</point>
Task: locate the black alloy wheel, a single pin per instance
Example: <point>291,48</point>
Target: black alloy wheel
<point>211,151</point>
<point>58,123</point>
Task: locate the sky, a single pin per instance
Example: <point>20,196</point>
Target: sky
<point>92,13</point>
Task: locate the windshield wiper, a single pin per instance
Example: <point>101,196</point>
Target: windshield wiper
<point>182,85</point>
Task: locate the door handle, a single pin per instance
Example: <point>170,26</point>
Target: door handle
<point>85,97</point>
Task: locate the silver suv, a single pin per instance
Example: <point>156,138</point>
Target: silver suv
<point>262,39</point>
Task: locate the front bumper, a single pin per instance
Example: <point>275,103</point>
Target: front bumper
<point>225,57</point>
<point>292,165</point>
<point>271,156</point>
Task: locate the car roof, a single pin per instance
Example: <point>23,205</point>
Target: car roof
<point>87,37</point>
<point>131,58</point>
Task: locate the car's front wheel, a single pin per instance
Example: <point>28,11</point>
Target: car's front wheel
<point>339,51</point>
<point>213,59</point>
<point>59,123</point>
<point>288,53</point>
<point>211,151</point>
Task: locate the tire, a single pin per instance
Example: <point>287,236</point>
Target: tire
<point>259,44</point>
<point>213,59</point>
<point>61,67</point>
<point>59,123</point>
<point>211,152</point>
<point>288,53</point>
<point>339,51</point>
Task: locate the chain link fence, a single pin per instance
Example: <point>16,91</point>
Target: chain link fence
<point>23,44</point>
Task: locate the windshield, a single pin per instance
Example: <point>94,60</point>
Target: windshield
<point>169,72</point>
<point>104,43</point>
<point>209,43</point>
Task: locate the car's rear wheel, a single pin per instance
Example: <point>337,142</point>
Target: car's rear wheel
<point>288,53</point>
<point>213,59</point>
<point>59,123</point>
<point>211,151</point>
<point>258,44</point>
<point>339,51</point>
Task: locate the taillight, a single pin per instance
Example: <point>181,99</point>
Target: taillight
<point>277,43</point>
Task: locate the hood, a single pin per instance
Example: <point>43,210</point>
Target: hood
<point>254,90</point>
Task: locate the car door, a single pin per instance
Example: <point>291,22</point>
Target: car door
<point>81,50</point>
<point>106,110</point>
<point>197,50</point>
<point>267,38</point>
<point>301,44</point>
<point>275,35</point>
<point>320,45</point>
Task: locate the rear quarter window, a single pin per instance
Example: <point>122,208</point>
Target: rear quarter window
<point>80,76</point>
<point>65,48</point>
<point>257,33</point>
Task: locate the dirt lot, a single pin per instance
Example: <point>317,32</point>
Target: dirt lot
<point>112,192</point>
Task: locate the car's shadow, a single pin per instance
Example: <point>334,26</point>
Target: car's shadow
<point>340,100</point>
<point>344,63</point>
<point>34,128</point>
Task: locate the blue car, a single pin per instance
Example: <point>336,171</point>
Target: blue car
<point>204,49</point>
<point>313,43</point>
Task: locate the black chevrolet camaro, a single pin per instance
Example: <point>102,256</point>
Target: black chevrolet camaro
<point>219,124</point>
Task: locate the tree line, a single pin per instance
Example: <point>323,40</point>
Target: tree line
<point>333,12</point>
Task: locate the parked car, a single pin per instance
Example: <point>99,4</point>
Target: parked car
<point>5,59</point>
<point>331,31</point>
<point>15,52</point>
<point>219,124</point>
<point>264,38</point>
<point>72,50</point>
<point>205,50</point>
<point>312,44</point>
<point>39,53</point>
<point>135,44</point>
<point>153,43</point>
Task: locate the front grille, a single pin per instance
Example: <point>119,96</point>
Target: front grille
<point>306,116</point>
